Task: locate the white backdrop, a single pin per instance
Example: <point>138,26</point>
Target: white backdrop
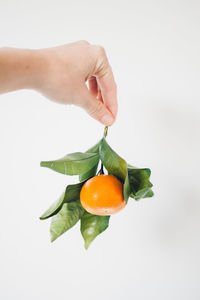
<point>151,249</point>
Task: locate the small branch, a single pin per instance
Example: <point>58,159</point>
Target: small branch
<point>101,171</point>
<point>105,132</point>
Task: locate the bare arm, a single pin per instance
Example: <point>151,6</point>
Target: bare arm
<point>18,69</point>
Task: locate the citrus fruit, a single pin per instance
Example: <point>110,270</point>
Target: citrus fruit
<point>102,195</point>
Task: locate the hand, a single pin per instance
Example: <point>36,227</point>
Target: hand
<point>61,74</point>
<point>65,71</point>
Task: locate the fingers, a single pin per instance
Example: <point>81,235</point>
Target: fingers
<point>106,82</point>
<point>93,86</point>
<point>95,108</point>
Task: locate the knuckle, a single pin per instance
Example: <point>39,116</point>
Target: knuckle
<point>83,42</point>
<point>102,65</point>
<point>100,51</point>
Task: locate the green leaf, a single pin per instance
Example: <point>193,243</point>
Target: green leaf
<point>65,219</point>
<point>144,193</point>
<point>127,189</point>
<point>149,194</point>
<point>73,164</point>
<point>92,172</point>
<point>140,185</point>
<point>94,149</point>
<point>91,226</point>
<point>115,165</point>
<point>54,208</point>
<point>72,193</point>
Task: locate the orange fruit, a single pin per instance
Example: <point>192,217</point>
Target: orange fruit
<point>102,195</point>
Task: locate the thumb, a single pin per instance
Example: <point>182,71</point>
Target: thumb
<point>96,108</point>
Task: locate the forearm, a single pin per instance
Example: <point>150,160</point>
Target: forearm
<point>19,69</point>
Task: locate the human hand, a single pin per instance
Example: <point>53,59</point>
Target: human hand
<point>65,71</point>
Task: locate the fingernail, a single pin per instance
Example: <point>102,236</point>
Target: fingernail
<point>107,120</point>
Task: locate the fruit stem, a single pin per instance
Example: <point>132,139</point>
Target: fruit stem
<point>105,132</point>
<point>101,171</point>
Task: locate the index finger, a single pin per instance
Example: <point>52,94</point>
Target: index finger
<point>106,82</point>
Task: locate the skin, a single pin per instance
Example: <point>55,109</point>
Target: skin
<point>61,74</point>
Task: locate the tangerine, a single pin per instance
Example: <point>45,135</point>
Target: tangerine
<point>102,195</point>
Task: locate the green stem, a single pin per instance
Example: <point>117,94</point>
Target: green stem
<point>105,132</point>
<point>101,171</point>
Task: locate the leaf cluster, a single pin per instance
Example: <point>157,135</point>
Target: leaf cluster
<point>67,210</point>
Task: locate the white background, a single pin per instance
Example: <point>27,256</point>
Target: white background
<point>151,249</point>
